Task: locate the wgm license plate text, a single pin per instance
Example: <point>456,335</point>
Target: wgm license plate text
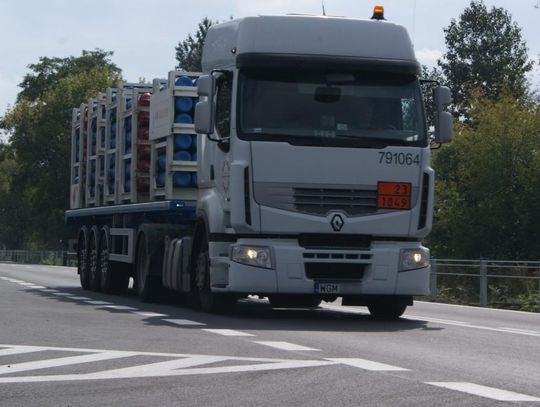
<point>326,288</point>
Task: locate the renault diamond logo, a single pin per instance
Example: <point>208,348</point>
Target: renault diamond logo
<point>337,223</point>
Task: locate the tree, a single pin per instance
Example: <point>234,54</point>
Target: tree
<point>487,183</point>
<point>189,51</point>
<point>36,190</point>
<point>486,52</point>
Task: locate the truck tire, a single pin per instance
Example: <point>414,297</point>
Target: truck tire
<point>82,259</point>
<point>388,310</point>
<point>93,261</point>
<point>148,258</point>
<point>114,277</point>
<point>215,303</point>
<point>294,301</point>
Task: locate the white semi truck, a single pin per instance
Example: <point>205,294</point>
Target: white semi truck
<point>313,174</point>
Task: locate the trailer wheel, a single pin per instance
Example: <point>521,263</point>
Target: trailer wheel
<point>216,303</point>
<point>82,258</point>
<point>93,260</point>
<point>148,285</point>
<point>114,278</point>
<point>388,310</point>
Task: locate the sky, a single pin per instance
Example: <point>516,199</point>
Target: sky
<point>143,33</point>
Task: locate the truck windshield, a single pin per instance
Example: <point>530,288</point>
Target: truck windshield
<point>369,108</point>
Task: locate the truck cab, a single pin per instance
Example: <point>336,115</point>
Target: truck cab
<point>315,178</point>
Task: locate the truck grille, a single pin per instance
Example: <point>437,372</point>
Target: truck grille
<point>321,201</point>
<point>334,271</point>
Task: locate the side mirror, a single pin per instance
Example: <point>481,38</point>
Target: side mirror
<point>204,110</point>
<point>443,119</point>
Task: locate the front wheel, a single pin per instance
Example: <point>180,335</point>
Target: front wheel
<point>387,310</point>
<point>216,303</point>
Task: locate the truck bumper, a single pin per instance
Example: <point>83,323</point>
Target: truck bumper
<point>296,270</point>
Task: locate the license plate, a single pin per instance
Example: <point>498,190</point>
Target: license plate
<point>326,288</point>
<point>394,195</point>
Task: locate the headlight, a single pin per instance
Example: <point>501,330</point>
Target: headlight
<point>258,256</point>
<point>410,259</point>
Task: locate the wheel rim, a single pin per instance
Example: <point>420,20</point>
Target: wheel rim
<point>81,265</point>
<point>141,265</point>
<point>104,259</point>
<point>93,261</point>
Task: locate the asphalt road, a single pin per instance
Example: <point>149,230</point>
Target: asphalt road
<point>62,346</point>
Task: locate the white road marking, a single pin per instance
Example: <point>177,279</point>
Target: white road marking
<point>519,331</point>
<point>467,325</point>
<point>98,302</point>
<point>26,283</point>
<point>17,281</point>
<point>19,350</point>
<point>227,332</point>
<point>149,314</point>
<point>57,362</point>
<point>484,391</point>
<point>181,365</point>
<point>79,298</point>
<point>183,322</point>
<point>440,321</point>
<point>368,365</point>
<point>285,345</point>
<point>120,307</point>
<point>37,287</point>
<point>437,304</point>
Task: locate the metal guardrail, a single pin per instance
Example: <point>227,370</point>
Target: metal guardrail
<point>45,257</point>
<point>491,278</point>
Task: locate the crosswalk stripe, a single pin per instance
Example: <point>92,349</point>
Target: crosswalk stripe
<point>484,391</point>
<point>367,365</point>
<point>57,362</point>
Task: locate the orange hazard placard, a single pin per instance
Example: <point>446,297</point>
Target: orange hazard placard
<point>394,195</point>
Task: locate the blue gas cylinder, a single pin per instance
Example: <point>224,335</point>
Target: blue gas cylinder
<point>182,141</point>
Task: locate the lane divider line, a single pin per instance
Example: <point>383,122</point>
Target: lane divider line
<point>98,302</point>
<point>80,298</point>
<point>149,314</point>
<point>183,322</point>
<point>285,345</point>
<point>484,391</point>
<point>120,307</point>
<point>228,332</point>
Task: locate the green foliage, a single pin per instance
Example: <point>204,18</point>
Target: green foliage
<point>189,51</point>
<point>488,182</point>
<point>486,52</point>
<point>34,190</point>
